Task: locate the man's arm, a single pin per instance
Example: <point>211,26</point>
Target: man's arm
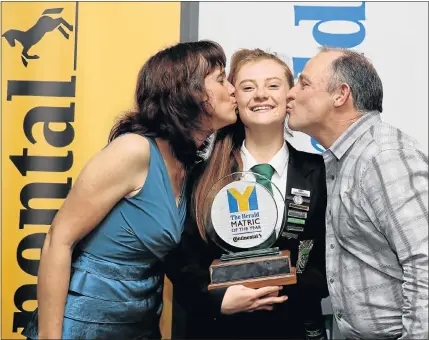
<point>396,184</point>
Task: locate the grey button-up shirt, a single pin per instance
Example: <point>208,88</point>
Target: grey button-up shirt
<point>377,232</point>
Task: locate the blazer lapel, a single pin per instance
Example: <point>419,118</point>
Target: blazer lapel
<point>297,173</point>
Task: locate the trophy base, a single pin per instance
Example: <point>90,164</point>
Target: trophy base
<point>256,269</point>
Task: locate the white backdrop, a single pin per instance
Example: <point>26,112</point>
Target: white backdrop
<point>394,35</point>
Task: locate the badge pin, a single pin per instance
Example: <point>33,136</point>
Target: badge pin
<point>299,214</point>
<point>298,199</point>
<point>295,228</point>
<point>303,255</point>
<point>299,207</point>
<point>295,220</point>
<point>289,235</point>
<point>300,192</point>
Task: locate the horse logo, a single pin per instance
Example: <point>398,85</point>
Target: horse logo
<point>34,34</point>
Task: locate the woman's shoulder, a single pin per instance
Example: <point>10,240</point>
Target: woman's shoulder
<point>132,142</point>
<point>124,160</point>
<point>131,146</point>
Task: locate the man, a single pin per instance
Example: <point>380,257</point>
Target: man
<point>377,211</point>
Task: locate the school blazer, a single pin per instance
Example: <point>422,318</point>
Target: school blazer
<point>187,266</point>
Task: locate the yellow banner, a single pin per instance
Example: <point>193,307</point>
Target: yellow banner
<point>68,70</point>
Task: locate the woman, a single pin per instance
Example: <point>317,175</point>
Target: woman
<point>261,80</point>
<point>126,209</point>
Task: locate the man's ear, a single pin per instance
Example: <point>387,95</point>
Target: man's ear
<point>342,95</point>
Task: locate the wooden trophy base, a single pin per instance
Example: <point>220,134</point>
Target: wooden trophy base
<point>253,271</point>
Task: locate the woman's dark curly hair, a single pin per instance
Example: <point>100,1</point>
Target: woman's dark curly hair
<point>171,99</point>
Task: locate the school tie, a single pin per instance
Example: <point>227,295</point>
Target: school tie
<point>265,170</point>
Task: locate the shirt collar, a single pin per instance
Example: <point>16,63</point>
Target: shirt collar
<point>356,130</point>
<point>278,162</point>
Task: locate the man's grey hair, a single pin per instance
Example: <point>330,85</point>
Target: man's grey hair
<point>354,69</point>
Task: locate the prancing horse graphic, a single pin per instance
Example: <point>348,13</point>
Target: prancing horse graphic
<point>34,34</point>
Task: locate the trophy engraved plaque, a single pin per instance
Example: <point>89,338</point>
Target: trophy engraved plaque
<point>244,218</point>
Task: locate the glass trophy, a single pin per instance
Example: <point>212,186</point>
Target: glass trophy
<point>244,218</point>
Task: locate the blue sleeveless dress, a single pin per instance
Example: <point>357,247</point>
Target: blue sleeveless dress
<point>117,274</point>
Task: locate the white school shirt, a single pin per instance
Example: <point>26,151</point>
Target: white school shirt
<point>279,162</point>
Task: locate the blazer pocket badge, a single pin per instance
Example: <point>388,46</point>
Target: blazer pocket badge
<point>304,249</point>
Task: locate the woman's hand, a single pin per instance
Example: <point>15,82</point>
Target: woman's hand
<point>242,299</point>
